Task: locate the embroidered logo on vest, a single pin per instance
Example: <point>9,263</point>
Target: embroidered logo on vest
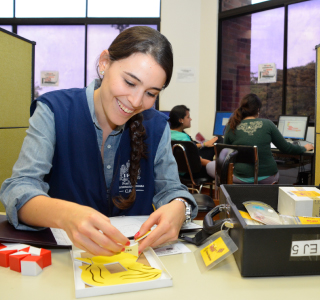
<point>250,128</point>
<point>125,184</point>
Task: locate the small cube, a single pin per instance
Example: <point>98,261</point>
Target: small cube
<point>15,260</point>
<point>46,255</point>
<point>31,265</point>
<point>4,257</point>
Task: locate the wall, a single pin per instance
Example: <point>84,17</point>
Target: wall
<point>192,28</point>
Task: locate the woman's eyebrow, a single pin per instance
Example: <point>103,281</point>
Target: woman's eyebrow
<point>136,78</point>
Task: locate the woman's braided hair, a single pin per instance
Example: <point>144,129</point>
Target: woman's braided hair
<point>140,39</point>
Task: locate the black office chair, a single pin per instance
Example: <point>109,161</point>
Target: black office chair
<point>188,160</point>
<point>205,203</point>
<point>227,155</point>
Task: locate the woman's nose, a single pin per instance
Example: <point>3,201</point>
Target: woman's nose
<point>136,99</point>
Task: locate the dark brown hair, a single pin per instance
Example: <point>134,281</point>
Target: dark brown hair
<point>250,105</point>
<point>140,39</point>
<point>177,113</point>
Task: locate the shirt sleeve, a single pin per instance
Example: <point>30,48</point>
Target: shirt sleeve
<point>279,141</point>
<point>167,182</point>
<point>34,162</point>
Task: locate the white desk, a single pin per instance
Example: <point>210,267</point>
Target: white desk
<point>222,282</point>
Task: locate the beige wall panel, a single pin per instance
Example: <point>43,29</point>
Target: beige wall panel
<point>11,141</point>
<point>15,78</point>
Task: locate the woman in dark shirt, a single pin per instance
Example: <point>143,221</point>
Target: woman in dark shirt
<point>246,128</point>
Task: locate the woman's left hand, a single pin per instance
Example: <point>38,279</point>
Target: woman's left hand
<point>169,219</point>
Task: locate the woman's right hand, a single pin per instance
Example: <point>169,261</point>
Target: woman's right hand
<point>87,228</point>
<point>309,147</point>
<point>93,232</point>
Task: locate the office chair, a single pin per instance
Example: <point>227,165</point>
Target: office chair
<point>205,203</point>
<point>227,155</point>
<point>188,160</point>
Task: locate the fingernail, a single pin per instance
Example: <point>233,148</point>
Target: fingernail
<point>139,252</point>
<point>128,243</point>
<point>137,235</point>
<point>123,249</point>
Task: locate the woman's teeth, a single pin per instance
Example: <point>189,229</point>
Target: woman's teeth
<point>125,109</point>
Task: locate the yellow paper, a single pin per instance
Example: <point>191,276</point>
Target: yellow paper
<point>309,220</point>
<point>245,215</point>
<point>96,273</point>
<point>214,251</point>
<point>306,193</point>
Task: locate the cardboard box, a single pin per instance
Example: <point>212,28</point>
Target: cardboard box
<point>299,201</point>
<point>269,250</point>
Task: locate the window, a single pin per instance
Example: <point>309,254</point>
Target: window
<point>247,42</point>
<point>70,40</point>
<point>251,39</point>
<point>50,9</point>
<point>124,8</point>
<point>227,4</point>
<point>6,8</point>
<point>99,39</point>
<point>303,36</point>
<point>63,54</point>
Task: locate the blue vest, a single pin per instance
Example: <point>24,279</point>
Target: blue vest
<point>77,167</point>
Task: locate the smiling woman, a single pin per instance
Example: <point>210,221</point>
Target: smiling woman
<point>103,151</point>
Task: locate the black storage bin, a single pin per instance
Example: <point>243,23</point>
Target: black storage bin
<point>265,250</point>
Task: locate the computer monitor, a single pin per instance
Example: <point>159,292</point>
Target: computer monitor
<point>220,122</point>
<point>166,112</point>
<point>293,127</point>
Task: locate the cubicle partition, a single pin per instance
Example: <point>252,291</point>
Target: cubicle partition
<point>16,94</point>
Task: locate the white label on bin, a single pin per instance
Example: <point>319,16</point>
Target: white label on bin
<point>305,248</point>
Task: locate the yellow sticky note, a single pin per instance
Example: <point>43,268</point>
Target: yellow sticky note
<point>306,193</point>
<point>214,251</point>
<point>309,220</point>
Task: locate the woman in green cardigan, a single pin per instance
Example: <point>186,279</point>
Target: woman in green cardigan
<point>246,128</point>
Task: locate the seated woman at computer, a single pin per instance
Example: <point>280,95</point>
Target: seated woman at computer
<point>180,119</point>
<point>246,128</point>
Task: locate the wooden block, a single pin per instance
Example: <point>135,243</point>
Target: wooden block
<point>15,260</point>
<point>46,255</point>
<point>31,265</point>
<point>4,257</point>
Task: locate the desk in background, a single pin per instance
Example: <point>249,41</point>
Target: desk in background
<point>307,156</point>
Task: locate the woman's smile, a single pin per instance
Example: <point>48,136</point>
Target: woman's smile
<point>124,108</point>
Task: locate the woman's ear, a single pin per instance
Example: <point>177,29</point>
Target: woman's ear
<point>104,60</point>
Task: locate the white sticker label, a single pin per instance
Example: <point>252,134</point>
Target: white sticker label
<point>305,248</point>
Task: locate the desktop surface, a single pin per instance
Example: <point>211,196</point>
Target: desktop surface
<point>222,282</point>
